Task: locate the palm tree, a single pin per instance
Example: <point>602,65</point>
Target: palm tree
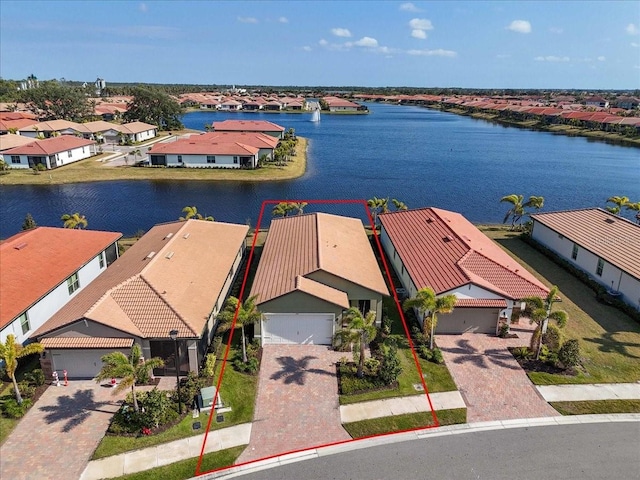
<point>431,306</point>
<point>360,331</point>
<point>398,204</point>
<point>538,310</point>
<point>192,212</point>
<point>74,220</point>
<point>282,209</point>
<point>298,207</point>
<point>135,153</point>
<point>636,208</point>
<point>618,203</point>
<point>378,206</point>
<point>10,352</point>
<point>248,314</point>
<point>517,211</point>
<point>127,369</point>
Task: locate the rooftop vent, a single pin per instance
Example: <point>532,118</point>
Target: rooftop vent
<point>186,235</point>
<point>430,220</point>
<point>448,238</point>
<point>169,255</point>
<point>20,246</point>
<point>169,235</point>
<point>151,254</point>
<point>609,220</point>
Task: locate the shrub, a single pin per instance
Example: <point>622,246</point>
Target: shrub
<point>209,369</point>
<point>390,368</point>
<point>386,325</point>
<point>425,352</point>
<point>371,367</point>
<point>13,409</point>
<point>504,330</point>
<point>216,345</point>
<point>437,356</point>
<point>189,388</point>
<point>521,352</point>
<point>156,409</point>
<point>26,390</point>
<point>569,353</point>
<point>250,367</point>
<point>35,377</point>
<point>419,338</point>
<point>553,338</point>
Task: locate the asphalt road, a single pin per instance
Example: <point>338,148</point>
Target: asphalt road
<point>586,451</point>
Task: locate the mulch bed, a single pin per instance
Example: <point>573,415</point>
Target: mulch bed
<point>533,365</point>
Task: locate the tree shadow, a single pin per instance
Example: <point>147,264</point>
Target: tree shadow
<point>295,370</point>
<point>607,344</point>
<point>73,409</point>
<point>467,353</point>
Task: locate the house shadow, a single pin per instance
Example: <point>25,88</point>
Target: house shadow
<point>74,410</point>
<point>295,370</point>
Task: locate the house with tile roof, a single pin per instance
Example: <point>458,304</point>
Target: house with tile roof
<point>603,245</point>
<point>211,153</point>
<point>176,277</point>
<point>262,126</point>
<point>51,152</point>
<point>42,269</point>
<point>11,140</point>
<point>138,131</point>
<point>52,128</point>
<point>436,248</point>
<point>312,268</point>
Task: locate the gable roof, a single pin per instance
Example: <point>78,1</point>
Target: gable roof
<point>168,279</point>
<point>443,250</point>
<point>255,139</point>
<point>34,262</point>
<point>247,126</point>
<point>190,147</point>
<point>54,126</point>
<point>11,140</point>
<point>612,238</point>
<point>300,245</point>
<point>50,146</point>
<point>136,127</point>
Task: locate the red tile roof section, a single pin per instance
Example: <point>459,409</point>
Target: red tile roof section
<point>190,147</point>
<point>50,146</point>
<point>480,303</point>
<point>85,342</point>
<point>247,126</point>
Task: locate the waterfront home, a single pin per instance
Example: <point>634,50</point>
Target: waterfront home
<point>436,248</point>
<point>603,245</point>
<point>176,277</point>
<point>596,101</point>
<point>51,152</point>
<point>42,269</point>
<point>11,140</point>
<point>266,144</point>
<point>262,126</point>
<point>138,131</point>
<point>627,103</point>
<point>230,105</point>
<point>204,154</point>
<point>336,104</point>
<point>312,268</point>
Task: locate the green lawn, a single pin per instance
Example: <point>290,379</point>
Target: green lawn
<point>609,339</point>
<point>186,468</point>
<point>237,390</point>
<point>6,424</point>
<point>409,421</point>
<point>597,406</point>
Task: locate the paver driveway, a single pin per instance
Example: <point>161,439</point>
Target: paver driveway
<point>297,402</point>
<point>58,435</point>
<point>491,381</point>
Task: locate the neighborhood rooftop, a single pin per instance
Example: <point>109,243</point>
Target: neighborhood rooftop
<point>50,146</point>
<point>247,125</point>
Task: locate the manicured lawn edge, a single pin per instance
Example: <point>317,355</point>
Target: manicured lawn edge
<point>597,407</point>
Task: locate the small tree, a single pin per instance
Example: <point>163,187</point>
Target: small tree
<point>74,220</point>
<point>377,206</point>
<point>517,211</point>
<point>248,314</point>
<point>360,331</point>
<point>10,352</point>
<point>192,212</point>
<point>569,354</point>
<point>390,366</point>
<point>398,204</point>
<point>618,203</point>
<point>430,306</point>
<point>538,311</point>
<point>29,222</point>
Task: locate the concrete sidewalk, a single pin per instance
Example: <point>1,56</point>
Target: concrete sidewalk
<point>166,453</point>
<point>597,391</point>
<point>400,405</point>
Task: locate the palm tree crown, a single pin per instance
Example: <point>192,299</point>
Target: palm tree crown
<point>10,352</point>
<point>430,306</point>
<point>538,310</point>
<point>360,331</point>
<point>192,212</point>
<point>248,314</point>
<point>74,220</point>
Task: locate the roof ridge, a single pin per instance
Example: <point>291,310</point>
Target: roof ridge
<point>316,238</point>
<point>108,293</point>
<point>169,306</point>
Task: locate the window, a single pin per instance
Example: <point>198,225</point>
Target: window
<point>179,158</point>
<point>364,306</point>
<point>600,267</point>
<point>574,254</point>
<point>69,154</point>
<point>73,283</point>
<point>15,158</point>
<point>235,159</point>
<point>101,260</point>
<point>24,323</point>
<point>211,159</point>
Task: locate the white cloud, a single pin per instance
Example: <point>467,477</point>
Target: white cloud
<point>632,29</point>
<point>283,20</point>
<point>143,7</point>
<point>635,45</point>
<point>323,42</point>
<point>341,32</point>
<point>421,24</point>
<point>409,7</point>
<point>367,42</point>
<point>556,30</point>
<point>306,48</point>
<point>602,58</point>
<point>247,20</point>
<point>520,26</point>
<point>419,34</point>
<point>433,53</point>
<point>552,58</point>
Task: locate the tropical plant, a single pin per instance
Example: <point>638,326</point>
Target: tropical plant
<point>10,352</point>
<point>128,370</point>
<point>398,204</point>
<point>4,167</point>
<point>430,306</point>
<point>538,310</point>
<point>74,220</point>
<point>248,314</point>
<point>192,212</point>
<point>517,211</point>
<point>569,353</point>
<point>378,206</point>
<point>635,207</point>
<point>29,222</point>
<point>618,203</point>
<point>283,209</point>
<point>359,332</point>
<point>136,153</point>
<point>298,207</point>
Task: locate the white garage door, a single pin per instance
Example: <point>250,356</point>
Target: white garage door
<point>297,328</point>
<point>461,320</point>
<point>79,363</point>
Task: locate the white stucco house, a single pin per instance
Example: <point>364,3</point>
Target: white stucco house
<point>604,245</point>
<point>138,131</point>
<point>42,269</point>
<point>51,152</point>
<point>214,153</point>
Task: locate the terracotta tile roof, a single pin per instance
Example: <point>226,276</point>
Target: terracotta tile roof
<point>612,238</point>
<point>255,139</point>
<point>50,146</point>
<point>12,140</point>
<point>34,262</point>
<point>136,127</point>
<point>100,126</point>
<point>54,126</point>
<point>246,126</point>
<point>86,342</point>
<point>191,147</point>
<point>443,250</point>
<point>18,124</point>
<point>303,244</point>
<point>480,303</point>
<point>170,278</point>
<point>322,291</point>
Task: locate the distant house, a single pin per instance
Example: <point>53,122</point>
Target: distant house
<point>272,105</point>
<point>262,126</point>
<point>138,131</point>
<point>336,104</point>
<point>628,103</point>
<point>230,106</point>
<point>176,277</point>
<point>11,140</point>
<point>102,132</point>
<point>312,268</point>
<point>603,245</point>
<point>51,152</point>
<point>204,154</point>
<point>44,268</point>
<point>436,248</point>
<point>597,101</point>
<point>52,128</point>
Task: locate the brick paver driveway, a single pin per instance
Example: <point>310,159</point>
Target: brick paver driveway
<point>491,381</point>
<point>58,435</point>
<point>297,403</point>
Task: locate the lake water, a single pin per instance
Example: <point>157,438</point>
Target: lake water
<point>422,157</point>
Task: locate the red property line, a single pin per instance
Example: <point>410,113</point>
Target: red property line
<point>233,325</point>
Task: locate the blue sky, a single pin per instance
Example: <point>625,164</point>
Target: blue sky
<point>519,44</point>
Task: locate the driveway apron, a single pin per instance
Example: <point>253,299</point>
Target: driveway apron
<point>491,381</point>
<point>297,402</point>
<point>58,435</point>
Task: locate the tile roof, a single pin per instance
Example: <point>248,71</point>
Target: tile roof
<point>443,250</point>
<point>34,262</point>
<point>255,139</point>
<point>136,127</point>
<point>190,147</point>
<point>12,140</point>
<point>50,146</point>
<point>322,291</point>
<point>612,238</point>
<point>303,244</point>
<point>54,126</point>
<point>480,303</point>
<point>100,126</point>
<point>247,126</point>
<point>86,342</point>
<point>168,279</point>
<point>18,123</point>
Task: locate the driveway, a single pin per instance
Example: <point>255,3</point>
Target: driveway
<point>58,435</point>
<point>297,402</point>
<point>491,381</point>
